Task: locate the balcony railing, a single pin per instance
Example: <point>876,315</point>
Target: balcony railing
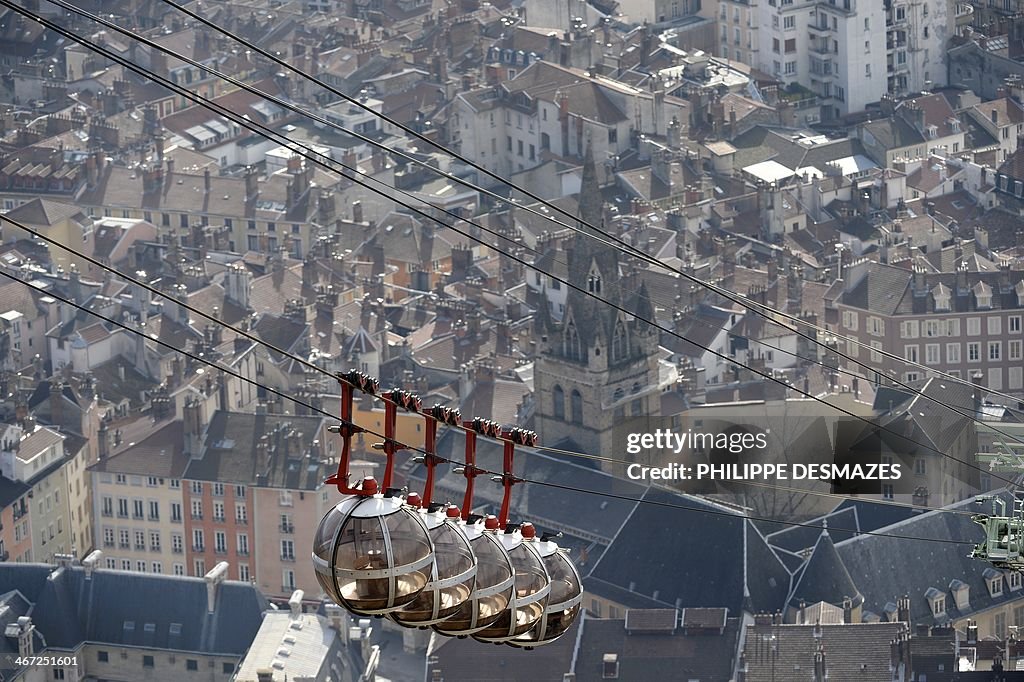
<point>287,528</point>
<point>287,557</point>
<point>198,548</point>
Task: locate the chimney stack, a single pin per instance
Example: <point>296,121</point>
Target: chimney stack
<point>216,576</point>
<point>295,604</point>
<point>193,422</point>
<point>90,563</point>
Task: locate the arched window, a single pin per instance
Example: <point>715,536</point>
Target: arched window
<point>594,281</point>
<point>577,407</point>
<point>558,396</point>
<point>620,409</point>
<point>620,348</point>
<point>573,349</point>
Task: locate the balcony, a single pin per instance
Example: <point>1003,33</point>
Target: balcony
<point>221,550</point>
<point>140,548</point>
<point>124,545</point>
<point>198,548</point>
<point>243,552</point>
<point>106,512</point>
<point>241,522</point>
<point>219,519</point>
<point>177,550</point>
<point>287,557</point>
<point>197,517</point>
<point>108,543</point>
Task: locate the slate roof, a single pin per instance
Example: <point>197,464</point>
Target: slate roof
<point>885,568</point>
<point>702,554</point>
<point>70,609</point>
<point>824,578</point>
<point>852,652</point>
<point>650,656</point>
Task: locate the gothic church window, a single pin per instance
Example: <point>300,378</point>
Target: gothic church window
<point>573,348</point>
<point>577,407</point>
<point>620,349</point>
<point>559,400</point>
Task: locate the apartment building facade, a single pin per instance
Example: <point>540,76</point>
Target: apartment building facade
<point>138,502</point>
<point>848,53</point>
<point>553,110</point>
<point>253,496</point>
<point>962,323</point>
<point>34,455</point>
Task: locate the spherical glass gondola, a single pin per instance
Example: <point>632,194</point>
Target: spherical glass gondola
<point>452,576</point>
<point>531,594</point>
<point>564,601</point>
<point>495,582</point>
<point>372,554</point>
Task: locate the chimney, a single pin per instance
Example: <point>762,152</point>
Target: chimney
<point>193,423</point>
<point>90,563</point>
<point>207,180</point>
<point>216,576</point>
<point>252,184</point>
<point>57,402</point>
<point>26,638</point>
<point>103,440</point>
<point>357,211</point>
<point>295,604</point>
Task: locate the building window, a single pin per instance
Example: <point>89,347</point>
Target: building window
<point>558,398</point>
<point>191,664</point>
<point>147,661</point>
<point>577,407</point>
<point>102,656</point>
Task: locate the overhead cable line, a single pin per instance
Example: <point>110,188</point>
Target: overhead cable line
<point>278,350</point>
<point>596,230</point>
<point>313,409</point>
<point>318,158</point>
<point>752,305</point>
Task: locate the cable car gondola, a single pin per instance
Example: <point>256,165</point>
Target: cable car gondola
<point>564,601</point>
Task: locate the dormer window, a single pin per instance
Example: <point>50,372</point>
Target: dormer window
<point>1019,290</point>
<point>936,601</point>
<point>933,132</point>
<point>943,296</point>
<point>983,295</point>
<point>961,594</point>
<point>1013,580</point>
<point>994,582</point>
